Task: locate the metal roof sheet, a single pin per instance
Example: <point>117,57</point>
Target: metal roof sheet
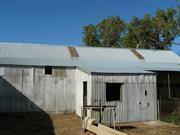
<point>95,53</point>
<point>162,56</point>
<point>104,69</point>
<point>26,51</point>
<point>122,54</point>
<point>92,59</point>
<point>127,67</point>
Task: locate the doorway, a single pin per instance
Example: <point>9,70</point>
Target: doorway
<point>85,96</point>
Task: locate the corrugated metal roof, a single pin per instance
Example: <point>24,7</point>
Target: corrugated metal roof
<point>121,54</point>
<point>91,59</point>
<point>95,53</point>
<point>24,51</point>
<point>127,67</point>
<point>104,69</point>
<point>162,56</point>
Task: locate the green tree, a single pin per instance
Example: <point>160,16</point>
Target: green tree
<point>165,28</point>
<point>90,37</point>
<point>178,24</point>
<point>107,33</point>
<point>137,32</point>
<point>110,32</point>
<point>157,32</point>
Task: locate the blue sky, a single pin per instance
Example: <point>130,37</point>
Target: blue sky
<point>62,21</point>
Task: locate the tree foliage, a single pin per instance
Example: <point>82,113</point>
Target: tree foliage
<point>107,33</point>
<point>110,32</point>
<point>90,36</point>
<point>137,30</point>
<point>158,31</point>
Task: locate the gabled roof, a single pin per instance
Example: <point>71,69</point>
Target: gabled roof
<point>90,59</point>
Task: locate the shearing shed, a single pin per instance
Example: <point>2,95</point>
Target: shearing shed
<point>63,79</point>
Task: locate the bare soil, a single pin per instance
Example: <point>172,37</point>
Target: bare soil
<point>70,124</point>
<point>149,128</point>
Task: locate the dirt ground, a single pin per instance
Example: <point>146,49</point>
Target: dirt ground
<point>149,128</point>
<point>70,124</point>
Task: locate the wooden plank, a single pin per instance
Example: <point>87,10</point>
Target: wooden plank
<point>99,129</point>
<point>115,132</point>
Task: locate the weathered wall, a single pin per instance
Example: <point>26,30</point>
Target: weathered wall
<point>29,89</point>
<point>134,103</point>
<point>80,77</point>
<point>51,93</point>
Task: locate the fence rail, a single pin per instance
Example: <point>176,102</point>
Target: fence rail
<point>167,106</point>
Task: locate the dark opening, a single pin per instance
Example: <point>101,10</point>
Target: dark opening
<point>85,89</point>
<point>145,92</point>
<point>175,90</point>
<point>113,91</point>
<point>48,70</point>
<point>85,96</point>
<point>168,88</point>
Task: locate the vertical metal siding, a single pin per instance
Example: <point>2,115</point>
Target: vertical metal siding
<point>29,89</point>
<point>63,92</point>
<point>128,109</point>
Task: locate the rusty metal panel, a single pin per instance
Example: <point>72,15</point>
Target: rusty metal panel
<point>137,54</point>
<point>73,52</point>
<point>59,72</point>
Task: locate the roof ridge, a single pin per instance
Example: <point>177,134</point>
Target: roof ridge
<point>76,46</point>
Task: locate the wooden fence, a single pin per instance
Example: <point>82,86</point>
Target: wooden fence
<point>167,106</point>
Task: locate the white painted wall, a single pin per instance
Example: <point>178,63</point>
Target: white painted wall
<point>80,77</point>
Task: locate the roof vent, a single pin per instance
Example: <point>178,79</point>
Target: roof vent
<point>73,52</point>
<point>137,54</point>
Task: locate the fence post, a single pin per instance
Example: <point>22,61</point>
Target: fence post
<point>160,107</point>
<point>158,111</point>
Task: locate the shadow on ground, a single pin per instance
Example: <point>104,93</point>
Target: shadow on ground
<point>17,121</point>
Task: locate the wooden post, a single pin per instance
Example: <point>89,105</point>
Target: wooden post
<point>160,108</point>
<point>169,86</point>
<point>100,111</point>
<point>100,108</point>
<point>82,119</point>
<point>91,112</point>
<point>158,115</point>
<point>114,118</point>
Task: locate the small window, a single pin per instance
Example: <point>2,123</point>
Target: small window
<point>113,91</point>
<point>145,93</point>
<point>48,70</point>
